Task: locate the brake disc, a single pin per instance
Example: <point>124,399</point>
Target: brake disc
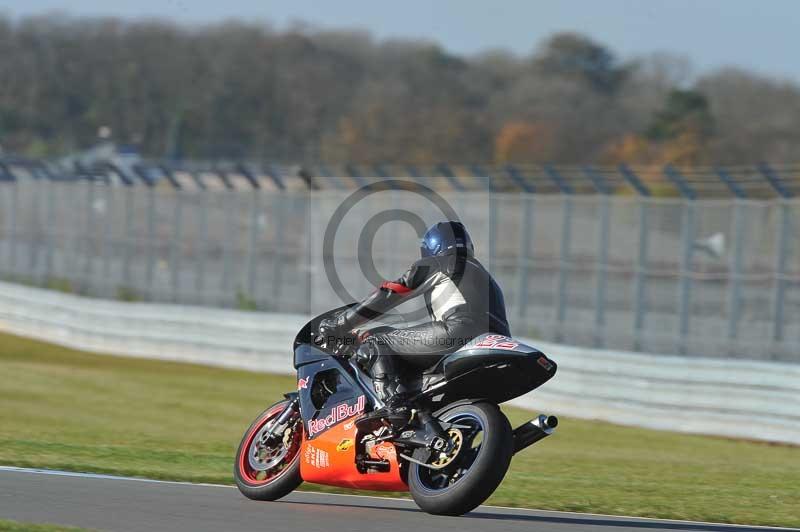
<point>263,456</point>
<point>445,459</point>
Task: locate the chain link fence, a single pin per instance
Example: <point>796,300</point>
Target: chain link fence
<point>705,277</point>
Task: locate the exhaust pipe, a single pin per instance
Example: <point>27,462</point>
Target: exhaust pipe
<point>534,430</point>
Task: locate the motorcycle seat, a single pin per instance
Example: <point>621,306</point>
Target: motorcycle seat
<point>481,351</point>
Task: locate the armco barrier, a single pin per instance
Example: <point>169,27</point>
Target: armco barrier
<point>247,340</point>
<point>742,399</point>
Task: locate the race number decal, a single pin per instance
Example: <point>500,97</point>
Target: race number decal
<point>497,341</point>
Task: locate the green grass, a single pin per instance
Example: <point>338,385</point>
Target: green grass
<point>65,409</point>
<point>15,526</point>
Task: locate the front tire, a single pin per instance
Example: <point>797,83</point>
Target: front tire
<point>476,470</point>
<point>269,472</point>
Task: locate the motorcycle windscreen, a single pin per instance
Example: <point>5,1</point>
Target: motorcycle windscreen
<point>305,347</point>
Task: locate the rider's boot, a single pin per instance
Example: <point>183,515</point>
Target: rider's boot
<point>381,365</point>
<point>395,410</point>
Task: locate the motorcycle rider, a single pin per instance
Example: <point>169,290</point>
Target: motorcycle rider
<point>462,298</point>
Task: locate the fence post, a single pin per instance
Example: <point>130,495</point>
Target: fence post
<point>448,174</point>
<point>90,225</point>
<point>729,182</point>
<point>273,174</point>
<point>202,245</point>
<point>252,245</point>
<point>413,173</point>
<point>35,235</point>
<point>227,239</point>
<point>564,265</point>
<point>277,271</point>
<point>11,185</point>
<point>601,266</point>
<point>332,178</point>
<point>151,240</point>
<point>129,239</point>
<point>518,179</point>
<point>354,173</point>
<point>782,250</point>
<point>107,238</point>
<point>735,277</point>
<point>564,254</point>
<point>526,234</point>
<point>604,239</point>
<point>736,261</point>
<point>72,239</point>
<point>50,230</point>
<point>641,259</point>
<point>392,269</point>
<point>782,253</point>
<point>684,300</point>
<point>13,224</point>
<point>641,272</point>
<point>176,246</point>
<point>492,231</point>
<point>687,239</point>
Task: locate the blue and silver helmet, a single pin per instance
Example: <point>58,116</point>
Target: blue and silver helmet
<point>446,237</point>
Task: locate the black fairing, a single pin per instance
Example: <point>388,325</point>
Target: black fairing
<point>491,367</point>
<point>330,392</point>
<point>330,388</point>
<point>306,354</point>
<point>496,374</point>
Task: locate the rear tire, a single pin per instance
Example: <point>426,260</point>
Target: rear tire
<point>284,477</point>
<point>482,476</point>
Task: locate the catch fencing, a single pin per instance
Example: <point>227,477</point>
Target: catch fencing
<point>733,398</point>
<point>710,277</point>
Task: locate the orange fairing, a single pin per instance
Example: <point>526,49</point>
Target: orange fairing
<point>330,458</point>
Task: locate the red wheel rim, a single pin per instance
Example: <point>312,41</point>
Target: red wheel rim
<point>261,477</point>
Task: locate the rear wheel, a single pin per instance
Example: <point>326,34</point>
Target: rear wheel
<point>482,448</point>
<point>267,468</point>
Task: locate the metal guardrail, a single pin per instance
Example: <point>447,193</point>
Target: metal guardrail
<point>246,340</point>
<point>738,399</point>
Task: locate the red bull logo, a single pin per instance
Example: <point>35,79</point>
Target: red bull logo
<point>338,413</point>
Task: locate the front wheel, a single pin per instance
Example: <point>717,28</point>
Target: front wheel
<point>267,468</point>
<point>482,448</point>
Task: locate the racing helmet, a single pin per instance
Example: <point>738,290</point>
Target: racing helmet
<point>445,237</point>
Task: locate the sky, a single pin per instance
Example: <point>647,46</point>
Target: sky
<point>760,35</point>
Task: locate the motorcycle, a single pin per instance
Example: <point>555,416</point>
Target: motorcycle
<point>451,451</point>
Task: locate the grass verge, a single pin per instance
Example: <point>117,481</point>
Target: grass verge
<point>65,409</point>
<point>16,526</point>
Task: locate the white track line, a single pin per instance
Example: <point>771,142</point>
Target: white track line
<point>58,473</point>
<point>55,472</point>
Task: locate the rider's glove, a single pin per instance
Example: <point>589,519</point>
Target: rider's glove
<point>333,326</point>
<point>333,332</point>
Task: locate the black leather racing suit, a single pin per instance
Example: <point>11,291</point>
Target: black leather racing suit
<point>463,302</point>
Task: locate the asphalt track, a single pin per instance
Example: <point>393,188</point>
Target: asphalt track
<point>124,504</point>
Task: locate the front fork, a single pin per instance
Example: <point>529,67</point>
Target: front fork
<point>282,421</point>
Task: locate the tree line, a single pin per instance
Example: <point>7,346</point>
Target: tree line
<point>243,90</point>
